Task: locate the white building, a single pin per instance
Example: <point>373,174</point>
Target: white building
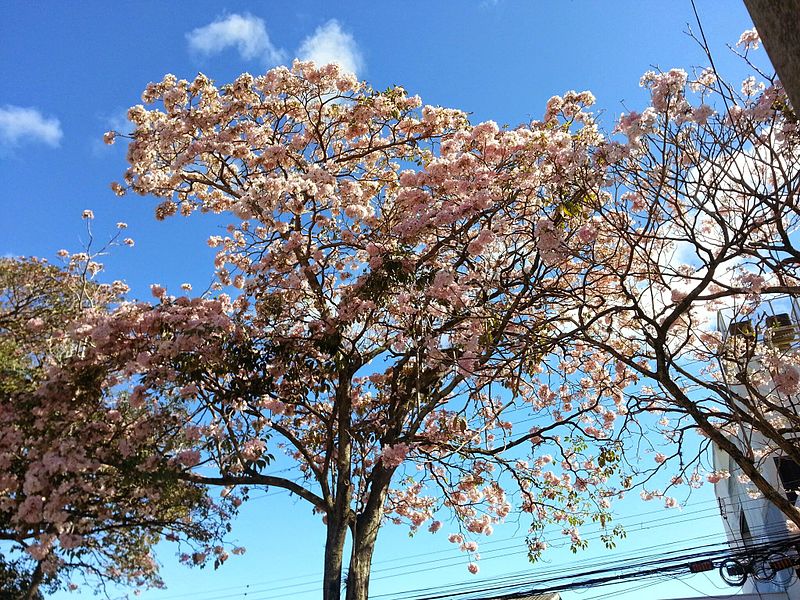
<point>750,520</point>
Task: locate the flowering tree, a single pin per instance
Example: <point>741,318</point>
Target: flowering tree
<point>393,270</point>
<point>696,270</point>
<point>82,488</point>
<point>429,317</point>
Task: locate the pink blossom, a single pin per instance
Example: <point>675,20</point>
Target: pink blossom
<point>549,239</point>
<point>393,455</point>
<point>749,39</point>
<point>274,405</point>
<point>38,551</point>
<point>68,540</point>
<point>786,379</point>
<point>666,89</point>
<point>36,324</point>
<point>677,296</point>
<point>753,282</point>
<point>189,458</point>
<point>252,449</point>
<point>717,476</point>
<point>587,233</point>
<point>574,535</point>
<point>700,114</point>
<point>538,546</point>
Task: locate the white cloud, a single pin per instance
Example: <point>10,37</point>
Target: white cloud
<point>111,121</point>
<point>19,125</point>
<point>246,32</point>
<point>117,121</point>
<point>330,44</point>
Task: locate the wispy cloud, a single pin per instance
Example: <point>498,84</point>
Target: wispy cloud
<point>20,125</point>
<point>245,32</point>
<point>116,120</point>
<point>329,43</point>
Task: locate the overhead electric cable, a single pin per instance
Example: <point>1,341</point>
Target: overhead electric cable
<point>494,553</point>
<point>675,565</point>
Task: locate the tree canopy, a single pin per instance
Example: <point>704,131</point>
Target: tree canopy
<point>84,489</point>
<point>430,322</point>
<point>393,269</point>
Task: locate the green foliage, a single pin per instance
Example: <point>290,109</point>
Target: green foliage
<point>15,578</point>
<point>120,502</point>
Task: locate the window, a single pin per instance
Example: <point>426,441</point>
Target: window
<point>780,331</point>
<point>744,530</point>
<point>789,474</point>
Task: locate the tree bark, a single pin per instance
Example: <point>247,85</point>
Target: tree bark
<point>365,534</point>
<point>726,445</point>
<point>36,581</point>
<point>339,513</point>
<point>334,553</point>
<point>778,25</point>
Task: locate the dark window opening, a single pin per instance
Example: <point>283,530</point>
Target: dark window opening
<point>789,474</point>
<point>741,328</point>
<point>781,330</point>
<point>744,530</point>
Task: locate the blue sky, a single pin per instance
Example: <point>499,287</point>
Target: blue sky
<point>71,69</point>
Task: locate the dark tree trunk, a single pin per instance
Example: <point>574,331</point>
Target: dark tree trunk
<point>339,516</point>
<point>358,571</point>
<point>36,581</point>
<point>778,25</point>
<point>364,536</point>
<point>746,464</point>
<point>334,552</point>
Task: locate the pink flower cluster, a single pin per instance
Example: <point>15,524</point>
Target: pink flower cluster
<point>393,455</point>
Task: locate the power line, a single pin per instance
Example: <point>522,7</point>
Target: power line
<point>655,567</point>
<point>656,558</point>
<point>311,579</point>
<point>457,559</point>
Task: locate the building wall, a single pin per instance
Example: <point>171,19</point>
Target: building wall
<point>750,519</point>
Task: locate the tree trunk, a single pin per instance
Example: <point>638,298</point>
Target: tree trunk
<point>365,534</point>
<point>334,553</point>
<point>358,572</point>
<point>339,514</point>
<point>778,25</point>
<point>36,580</point>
